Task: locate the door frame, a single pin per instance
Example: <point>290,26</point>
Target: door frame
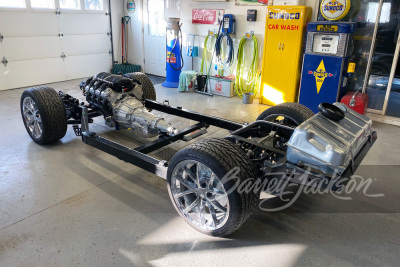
<point>369,65</point>
<point>391,77</point>
<point>144,17</point>
<point>144,21</point>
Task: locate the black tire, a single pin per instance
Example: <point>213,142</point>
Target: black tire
<point>220,156</point>
<point>51,113</point>
<point>148,88</point>
<point>294,113</point>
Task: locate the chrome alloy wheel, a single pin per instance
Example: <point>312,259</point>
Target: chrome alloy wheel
<point>199,195</point>
<point>32,118</point>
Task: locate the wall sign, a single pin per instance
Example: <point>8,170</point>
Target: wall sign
<point>206,16</point>
<point>131,6</point>
<point>335,9</point>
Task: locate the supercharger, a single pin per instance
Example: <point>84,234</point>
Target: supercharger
<point>120,99</point>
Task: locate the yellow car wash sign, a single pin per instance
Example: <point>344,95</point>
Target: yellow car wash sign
<point>335,9</point>
<point>320,74</point>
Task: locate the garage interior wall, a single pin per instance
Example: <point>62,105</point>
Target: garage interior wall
<point>136,50</point>
<point>242,26</point>
<point>135,36</point>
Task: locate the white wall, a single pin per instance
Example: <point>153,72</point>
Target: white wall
<point>135,36</point>
<point>242,25</point>
<point>116,14</point>
<point>136,51</point>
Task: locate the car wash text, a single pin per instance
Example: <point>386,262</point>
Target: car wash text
<point>286,16</point>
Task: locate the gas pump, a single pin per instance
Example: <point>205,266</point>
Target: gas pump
<point>174,53</point>
<point>326,64</point>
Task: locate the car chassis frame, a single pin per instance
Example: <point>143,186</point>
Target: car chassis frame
<point>238,132</point>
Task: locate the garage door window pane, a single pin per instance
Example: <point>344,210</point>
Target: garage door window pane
<point>12,3</point>
<point>42,4</point>
<point>94,4</point>
<point>70,4</point>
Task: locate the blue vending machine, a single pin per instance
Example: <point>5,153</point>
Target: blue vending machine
<point>325,63</point>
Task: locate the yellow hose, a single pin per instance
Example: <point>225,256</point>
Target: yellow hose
<point>251,80</point>
<point>205,58</point>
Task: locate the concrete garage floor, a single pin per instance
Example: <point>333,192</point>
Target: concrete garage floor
<point>69,204</point>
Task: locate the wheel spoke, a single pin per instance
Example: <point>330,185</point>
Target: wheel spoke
<point>28,109</point>
<point>36,129</point>
<point>181,194</point>
<point>30,121</point>
<point>217,192</point>
<point>198,169</point>
<point>191,206</point>
<point>191,175</point>
<point>201,210</point>
<point>32,106</point>
<point>213,213</point>
<point>186,184</point>
<point>211,181</point>
<point>217,205</point>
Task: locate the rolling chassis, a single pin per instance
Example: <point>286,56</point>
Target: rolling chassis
<point>195,175</point>
<point>239,133</point>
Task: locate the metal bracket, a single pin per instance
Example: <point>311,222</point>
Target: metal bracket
<point>77,130</point>
<point>212,32</point>
<point>84,120</point>
<point>249,35</point>
<point>1,38</point>
<point>4,61</point>
<point>107,13</point>
<point>61,35</point>
<point>58,12</point>
<point>63,56</point>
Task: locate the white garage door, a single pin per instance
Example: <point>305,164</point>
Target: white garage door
<point>36,53</point>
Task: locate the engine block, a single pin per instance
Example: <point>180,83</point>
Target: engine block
<point>120,99</point>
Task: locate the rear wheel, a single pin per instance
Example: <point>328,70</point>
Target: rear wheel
<point>290,114</point>
<point>43,114</point>
<point>149,92</point>
<point>202,194</point>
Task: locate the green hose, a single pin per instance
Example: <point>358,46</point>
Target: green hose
<point>251,81</point>
<point>205,58</point>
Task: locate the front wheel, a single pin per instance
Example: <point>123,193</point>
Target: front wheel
<point>202,184</point>
<point>43,114</point>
